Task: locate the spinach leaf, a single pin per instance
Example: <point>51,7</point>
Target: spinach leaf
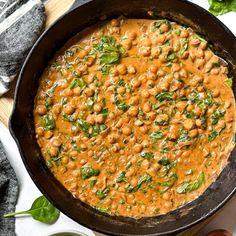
<point>220,7</point>
<point>169,182</point>
<point>102,193</point>
<point>83,125</point>
<point>156,135</point>
<point>121,105</point>
<point>92,182</point>
<point>103,210</point>
<point>229,82</point>
<point>164,96</point>
<point>49,122</point>
<point>191,185</point>
<point>184,46</point>
<point>41,210</point>
<point>212,135</point>
<point>147,155</point>
<point>87,172</point>
<point>171,56</point>
<point>216,115</point>
<point>110,51</point>
<point>183,136</point>
<point>78,82</point>
<point>105,69</point>
<point>142,179</point>
<point>104,112</point>
<point>121,177</point>
<point>164,161</point>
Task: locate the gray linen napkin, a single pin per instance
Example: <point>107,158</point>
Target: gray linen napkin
<point>8,194</point>
<point>21,22</point>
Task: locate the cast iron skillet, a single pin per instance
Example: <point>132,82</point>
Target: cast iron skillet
<point>22,127</point>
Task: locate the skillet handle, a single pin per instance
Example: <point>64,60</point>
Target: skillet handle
<point>78,3</point>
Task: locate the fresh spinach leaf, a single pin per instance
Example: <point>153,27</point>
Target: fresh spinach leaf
<point>164,161</point>
<point>216,115</point>
<point>220,7</point>
<point>78,82</point>
<point>184,46</point>
<point>102,193</point>
<point>41,210</point>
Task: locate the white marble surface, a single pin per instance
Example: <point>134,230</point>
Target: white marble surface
<point>25,226</point>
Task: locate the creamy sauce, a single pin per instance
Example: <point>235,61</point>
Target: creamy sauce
<point>136,118</point>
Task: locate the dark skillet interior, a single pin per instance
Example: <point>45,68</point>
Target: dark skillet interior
<point>22,127</point>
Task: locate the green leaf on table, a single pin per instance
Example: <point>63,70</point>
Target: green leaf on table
<point>220,7</point>
<point>41,210</point>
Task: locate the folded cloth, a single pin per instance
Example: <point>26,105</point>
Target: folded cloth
<point>21,22</point>
<point>8,194</point>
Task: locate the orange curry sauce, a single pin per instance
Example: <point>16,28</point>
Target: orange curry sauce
<point>137,117</point>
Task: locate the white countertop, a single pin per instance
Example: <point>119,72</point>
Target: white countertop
<point>28,191</point>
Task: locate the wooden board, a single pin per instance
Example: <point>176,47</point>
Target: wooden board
<point>54,9</point>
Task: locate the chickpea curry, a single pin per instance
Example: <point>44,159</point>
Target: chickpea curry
<point>136,117</point>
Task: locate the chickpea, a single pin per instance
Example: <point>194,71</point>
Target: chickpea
<point>131,34</point>
<point>56,109</point>
<point>82,54</point>
<point>83,69</point>
<point>73,153</point>
<point>147,107</point>
<point>97,107</point>
<point>68,109</point>
<point>181,105</point>
<point>166,195</point>
<point>194,42</point>
<point>185,55</point>
<point>203,45</point>
<point>216,93</point>
<point>71,165</point>
<point>134,100</point>
<point>53,151</point>
<point>90,61</point>
<point>138,148</point>
<point>184,34</point>
<point>146,42</point>
<point>227,104</point>
<point>126,130</point>
<point>77,91</point>
<point>89,92</point>
<point>133,111</point>
<point>127,44</point>
<point>65,159</point>
<point>145,164</point>
<point>136,83</point>
<point>41,110</point>
<point>134,181</point>
<point>40,131</point>
<point>48,134</point>
<point>188,124</point>
<point>198,123</point>
<point>130,172</point>
<point>90,119</point>
<point>122,69</point>
<point>155,52</point>
<point>151,76</point>
<point>100,119</point>
<point>56,142</point>
<point>131,69</point>
<point>165,85</point>
<point>161,38</point>
<point>190,108</point>
<point>215,71</point>
<point>138,123</point>
<point>193,133</point>
<point>144,129</point>
<point>145,93</point>
<point>153,68</point>
<point>208,55</point>
<point>145,51</point>
<point>115,23</point>
<point>200,53</point>
<point>121,90</point>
